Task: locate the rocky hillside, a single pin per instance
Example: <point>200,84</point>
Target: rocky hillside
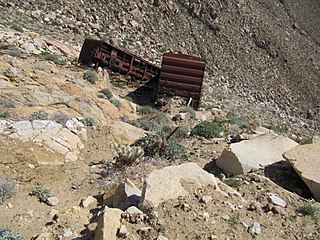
<point>80,159</point>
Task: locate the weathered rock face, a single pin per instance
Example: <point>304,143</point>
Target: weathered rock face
<point>108,224</point>
<point>245,156</point>
<point>125,196</point>
<point>305,159</point>
<point>164,184</point>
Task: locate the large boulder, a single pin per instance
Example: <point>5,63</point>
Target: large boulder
<point>164,184</point>
<point>126,195</point>
<point>305,159</point>
<point>243,157</point>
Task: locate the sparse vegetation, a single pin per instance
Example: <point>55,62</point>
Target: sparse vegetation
<point>207,129</point>
<point>234,220</point>
<point>16,27</point>
<point>277,128</point>
<point>53,58</point>
<point>189,110</point>
<point>42,193</point>
<point>144,124</point>
<point>90,76</point>
<point>121,85</point>
<point>87,121</point>
<point>107,93</point>
<point>307,210</point>
<point>173,149</point>
<point>116,102</point>
<point>233,182</point>
<point>3,113</point>
<point>241,121</point>
<point>6,234</point>
<point>144,110</point>
<point>60,117</point>
<point>14,51</point>
<point>7,189</point>
<point>128,98</point>
<point>39,115</point>
<point>161,118</point>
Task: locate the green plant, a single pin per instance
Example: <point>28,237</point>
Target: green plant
<point>60,117</point>
<point>14,51</point>
<point>116,102</point>
<point>6,234</point>
<point>207,129</point>
<point>121,85</point>
<point>128,154</point>
<point>277,128</point>
<point>52,57</point>
<point>180,133</point>
<point>106,92</point>
<point>173,149</point>
<point>144,124</point>
<point>16,27</point>
<point>87,121</point>
<point>3,113</point>
<point>189,110</point>
<point>90,76</point>
<point>307,210</point>
<point>128,98</point>
<point>234,220</point>
<point>161,118</point>
<point>42,193</point>
<point>39,115</point>
<point>233,182</point>
<point>7,189</point>
<point>241,121</point>
<point>144,110</point>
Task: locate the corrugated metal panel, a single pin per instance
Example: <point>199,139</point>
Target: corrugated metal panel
<point>105,55</point>
<point>181,75</point>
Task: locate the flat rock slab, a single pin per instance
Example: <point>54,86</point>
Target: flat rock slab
<point>108,224</point>
<point>164,184</point>
<point>243,157</point>
<point>305,159</point>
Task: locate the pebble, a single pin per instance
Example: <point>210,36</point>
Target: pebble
<point>86,202</point>
<point>276,200</point>
<point>52,201</point>
<point>255,229</point>
<point>206,199</point>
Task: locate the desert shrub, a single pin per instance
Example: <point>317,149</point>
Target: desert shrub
<point>189,110</point>
<point>233,182</point>
<point>234,220</point>
<point>16,27</point>
<point>148,143</point>
<point>42,193</point>
<point>53,58</point>
<point>161,118</point>
<point>144,124</point>
<point>3,113</point>
<point>307,210</point>
<point>207,129</point>
<point>128,98</point>
<point>14,51</point>
<point>121,85</point>
<point>144,110</point>
<point>116,102</point>
<point>106,92</point>
<point>277,128</point>
<point>173,149</point>
<point>6,234</point>
<point>90,76</point>
<point>87,121</point>
<point>7,188</point>
<point>39,115</point>
<point>180,133</point>
<point>60,117</point>
<point>241,121</point>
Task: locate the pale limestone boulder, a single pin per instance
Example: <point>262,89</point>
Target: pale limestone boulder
<point>164,184</point>
<point>125,133</point>
<point>243,157</point>
<point>108,224</point>
<point>305,159</point>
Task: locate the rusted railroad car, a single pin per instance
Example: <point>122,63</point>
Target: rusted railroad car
<point>180,74</point>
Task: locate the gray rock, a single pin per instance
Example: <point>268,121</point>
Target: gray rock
<point>255,229</point>
<point>276,200</point>
<point>52,201</point>
<point>133,210</point>
<point>162,238</point>
<point>126,196</point>
<point>164,184</point>
<point>206,199</point>
<point>305,161</point>
<point>86,202</point>
<point>108,224</point>
<point>243,157</point>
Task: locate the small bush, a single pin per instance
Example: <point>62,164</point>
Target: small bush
<point>16,27</point>
<point>148,143</point>
<point>234,220</point>
<point>278,129</point>
<point>161,118</point>
<point>144,124</point>
<point>233,182</point>
<point>106,92</point>
<point>173,149</point>
<point>128,98</point>
<point>39,115</point>
<point>6,234</point>
<point>3,113</point>
<point>180,133</point>
<point>60,117</point>
<point>42,193</point>
<point>207,129</point>
<point>121,85</point>
<point>87,121</point>
<point>90,76</point>
<point>116,102</point>
<point>189,110</point>
<point>53,58</point>
<point>14,51</point>
<point>7,189</point>
<point>144,110</point>
<point>307,210</point>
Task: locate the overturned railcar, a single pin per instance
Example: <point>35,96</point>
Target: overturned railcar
<point>179,75</point>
